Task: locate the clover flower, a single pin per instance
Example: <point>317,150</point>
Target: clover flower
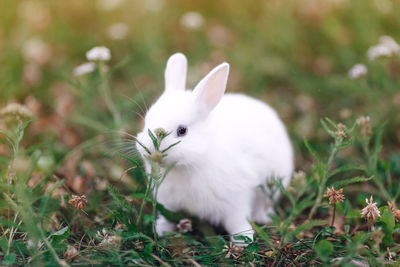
<point>395,212</point>
<point>371,211</point>
<point>79,202</point>
<point>84,68</point>
<point>184,226</point>
<point>335,196</point>
<point>98,53</point>
<point>233,251</point>
<point>357,71</point>
<point>386,47</point>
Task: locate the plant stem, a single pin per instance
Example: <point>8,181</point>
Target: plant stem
<point>334,213</point>
<point>324,179</point>
<point>146,195</point>
<point>154,217</point>
<point>106,94</point>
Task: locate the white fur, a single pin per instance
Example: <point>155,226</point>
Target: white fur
<point>233,144</point>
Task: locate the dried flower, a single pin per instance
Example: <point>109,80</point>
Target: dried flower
<point>117,31</point>
<point>233,251</point>
<point>184,226</point>
<point>395,212</point>
<point>371,211</point>
<point>71,253</point>
<point>192,20</point>
<point>79,202</point>
<point>84,68</point>
<point>357,71</point>
<point>335,196</point>
<point>365,126</point>
<point>98,53</point>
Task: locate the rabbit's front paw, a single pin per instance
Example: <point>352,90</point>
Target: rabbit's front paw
<point>163,226</point>
<point>241,231</point>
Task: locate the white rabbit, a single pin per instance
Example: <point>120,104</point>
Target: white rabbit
<point>229,145</point>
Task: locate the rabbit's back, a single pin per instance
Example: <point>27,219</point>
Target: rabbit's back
<point>252,134</point>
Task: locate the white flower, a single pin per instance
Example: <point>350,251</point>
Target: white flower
<point>154,5</point>
<point>357,71</point>
<point>36,50</point>
<point>390,43</point>
<point>98,53</point>
<point>84,68</point>
<point>192,20</point>
<point>109,5</point>
<point>378,51</point>
<point>118,31</point>
<point>386,47</point>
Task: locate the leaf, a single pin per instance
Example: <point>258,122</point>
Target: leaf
<point>311,150</point>
<point>9,259</point>
<point>347,167</point>
<point>61,231</point>
<point>323,248</point>
<point>154,139</point>
<point>171,146</point>
<point>388,223</point>
<point>61,234</point>
<point>264,235</point>
<point>304,227</point>
<point>353,180</point>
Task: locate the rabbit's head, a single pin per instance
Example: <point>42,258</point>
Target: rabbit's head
<point>184,114</point>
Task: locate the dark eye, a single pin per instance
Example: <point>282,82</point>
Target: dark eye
<point>181,131</point>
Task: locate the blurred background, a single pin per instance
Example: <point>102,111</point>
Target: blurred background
<point>295,55</point>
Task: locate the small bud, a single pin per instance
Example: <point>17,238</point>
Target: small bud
<point>341,131</point>
<point>160,133</point>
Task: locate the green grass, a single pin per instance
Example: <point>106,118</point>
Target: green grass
<point>293,55</point>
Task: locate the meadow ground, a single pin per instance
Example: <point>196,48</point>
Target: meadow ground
<point>73,191</point>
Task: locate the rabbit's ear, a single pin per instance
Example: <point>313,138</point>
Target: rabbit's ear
<point>175,72</point>
<point>211,88</point>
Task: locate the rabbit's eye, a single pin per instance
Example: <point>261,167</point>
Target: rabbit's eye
<point>181,131</point>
